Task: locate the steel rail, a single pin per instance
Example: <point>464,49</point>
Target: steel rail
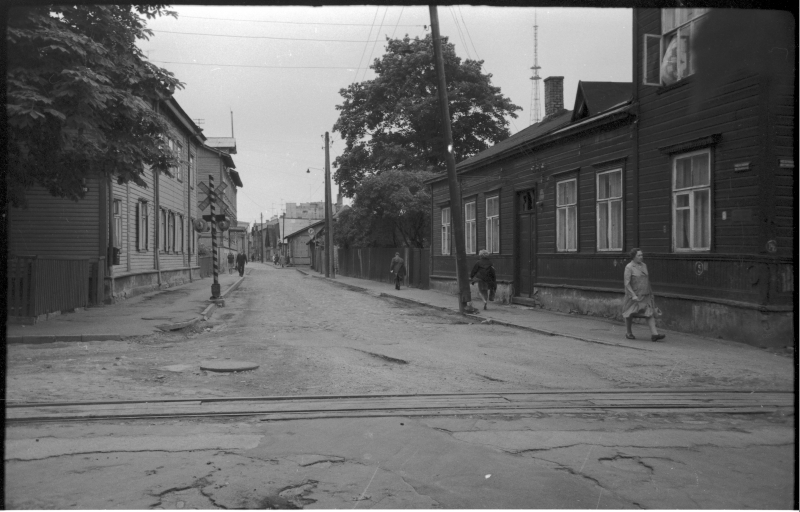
<point>397,395</point>
<point>591,402</point>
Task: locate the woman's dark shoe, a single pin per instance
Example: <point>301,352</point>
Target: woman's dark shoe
<point>658,337</point>
<point>630,336</point>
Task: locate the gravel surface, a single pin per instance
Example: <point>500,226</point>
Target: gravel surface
<point>310,337</point>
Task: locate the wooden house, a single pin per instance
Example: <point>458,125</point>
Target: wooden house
<point>132,239</point>
<point>217,162</point>
<point>699,177</point>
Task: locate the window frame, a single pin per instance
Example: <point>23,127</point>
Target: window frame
<point>667,32</point>
<point>162,224</point>
<point>446,232</point>
<point>566,208</point>
<point>117,213</point>
<point>171,231</point>
<point>142,226</point>
<point>691,192</point>
<point>492,231</point>
<point>616,199</point>
<point>471,234</point>
<point>179,172</point>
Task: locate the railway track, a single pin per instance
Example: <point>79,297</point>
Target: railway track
<point>273,408</point>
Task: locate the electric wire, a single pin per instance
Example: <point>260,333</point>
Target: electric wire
<point>262,37</point>
<point>468,34</point>
<point>367,44</point>
<point>366,65</point>
<point>460,34</point>
<point>250,65</point>
<point>291,22</point>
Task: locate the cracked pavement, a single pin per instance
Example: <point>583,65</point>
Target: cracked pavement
<point>312,338</point>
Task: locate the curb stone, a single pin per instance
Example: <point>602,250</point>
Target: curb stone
<point>475,317</point>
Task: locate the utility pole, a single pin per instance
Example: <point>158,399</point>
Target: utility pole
<point>261,237</point>
<point>464,293</point>
<point>328,211</point>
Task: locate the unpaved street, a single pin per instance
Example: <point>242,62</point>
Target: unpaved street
<point>314,338</point>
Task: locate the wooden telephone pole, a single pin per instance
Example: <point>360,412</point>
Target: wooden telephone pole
<point>329,266</point>
<point>464,293</point>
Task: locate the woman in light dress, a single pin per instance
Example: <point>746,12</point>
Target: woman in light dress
<point>639,297</point>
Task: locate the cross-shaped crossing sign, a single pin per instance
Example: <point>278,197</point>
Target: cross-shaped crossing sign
<point>211,194</point>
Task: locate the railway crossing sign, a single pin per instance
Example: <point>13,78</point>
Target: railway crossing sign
<point>211,195</point>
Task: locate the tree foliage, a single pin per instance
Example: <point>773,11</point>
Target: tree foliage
<point>391,209</point>
<point>79,97</point>
<point>393,121</point>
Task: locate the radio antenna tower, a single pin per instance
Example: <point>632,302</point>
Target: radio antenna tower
<point>535,107</point>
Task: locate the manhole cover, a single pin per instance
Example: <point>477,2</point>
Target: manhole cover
<point>227,366</point>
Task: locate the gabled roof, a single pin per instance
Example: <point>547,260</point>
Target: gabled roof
<point>228,144</point>
<point>593,98</point>
<point>225,156</point>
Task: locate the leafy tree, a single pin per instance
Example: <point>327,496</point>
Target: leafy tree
<point>79,97</point>
<point>392,122</point>
<point>391,209</point>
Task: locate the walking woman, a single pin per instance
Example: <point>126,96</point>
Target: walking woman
<point>483,274</point>
<point>638,296</point>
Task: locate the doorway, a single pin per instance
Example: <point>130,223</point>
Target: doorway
<point>526,243</point>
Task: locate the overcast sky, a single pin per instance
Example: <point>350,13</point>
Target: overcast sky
<point>282,70</point>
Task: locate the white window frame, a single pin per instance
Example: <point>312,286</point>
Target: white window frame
<point>446,231</point>
<point>493,224</point>
<point>192,169</point>
<point>470,227</point>
<point>692,192</point>
<point>566,208</point>
<point>680,23</point>
<point>608,201</point>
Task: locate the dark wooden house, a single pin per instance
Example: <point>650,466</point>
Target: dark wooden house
<point>701,180</point>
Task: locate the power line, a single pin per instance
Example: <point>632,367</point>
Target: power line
<point>398,22</point>
<point>468,34</point>
<point>367,44</point>
<point>250,66</point>
<point>292,22</point>
<point>260,37</point>
<point>458,29</point>
<point>366,65</point>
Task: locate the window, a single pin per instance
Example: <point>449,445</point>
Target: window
<point>691,201</point>
<point>117,223</point>
<point>567,215</point>
<point>142,226</point>
<point>493,224</point>
<point>162,242</point>
<point>445,231</point>
<point>469,227</point>
<point>609,210</point>
<point>192,171</point>
<point>179,169</point>
<point>668,56</point>
<point>171,246</point>
<point>179,247</point>
<point>190,227</point>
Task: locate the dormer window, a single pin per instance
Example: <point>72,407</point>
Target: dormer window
<point>668,57</point>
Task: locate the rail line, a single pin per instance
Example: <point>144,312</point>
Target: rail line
<point>275,408</point>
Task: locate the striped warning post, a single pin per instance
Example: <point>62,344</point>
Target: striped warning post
<point>214,251</point>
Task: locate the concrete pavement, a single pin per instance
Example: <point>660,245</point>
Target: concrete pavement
<point>142,315</point>
<point>585,328</point>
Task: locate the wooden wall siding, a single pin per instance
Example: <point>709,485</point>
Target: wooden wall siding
<point>141,261</point>
<point>209,162</point>
<point>53,226</point>
<point>445,266</point>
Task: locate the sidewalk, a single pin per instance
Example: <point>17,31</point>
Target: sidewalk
<point>166,309</point>
<point>585,328</point>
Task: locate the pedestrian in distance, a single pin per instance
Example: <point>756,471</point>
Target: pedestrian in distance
<point>241,260</point>
<point>483,274</point>
<point>230,262</point>
<point>398,269</point>
<point>639,301</point>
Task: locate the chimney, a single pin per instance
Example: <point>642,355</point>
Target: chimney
<point>553,95</point>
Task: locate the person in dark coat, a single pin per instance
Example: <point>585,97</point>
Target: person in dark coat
<point>483,274</point>
<point>230,262</point>
<point>241,260</point>
<point>398,268</point>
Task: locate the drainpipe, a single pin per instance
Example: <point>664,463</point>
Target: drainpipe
<point>634,241</point>
<point>157,223</point>
<point>110,246</point>
<point>187,224</point>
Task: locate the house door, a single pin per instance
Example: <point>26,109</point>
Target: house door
<point>526,243</point>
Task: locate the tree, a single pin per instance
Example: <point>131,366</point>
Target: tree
<point>392,122</point>
<point>391,209</point>
<point>80,98</point>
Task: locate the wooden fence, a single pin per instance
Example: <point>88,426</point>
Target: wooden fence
<point>373,263</point>
<point>39,285</point>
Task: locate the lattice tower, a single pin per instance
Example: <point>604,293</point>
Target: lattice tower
<point>535,102</point>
